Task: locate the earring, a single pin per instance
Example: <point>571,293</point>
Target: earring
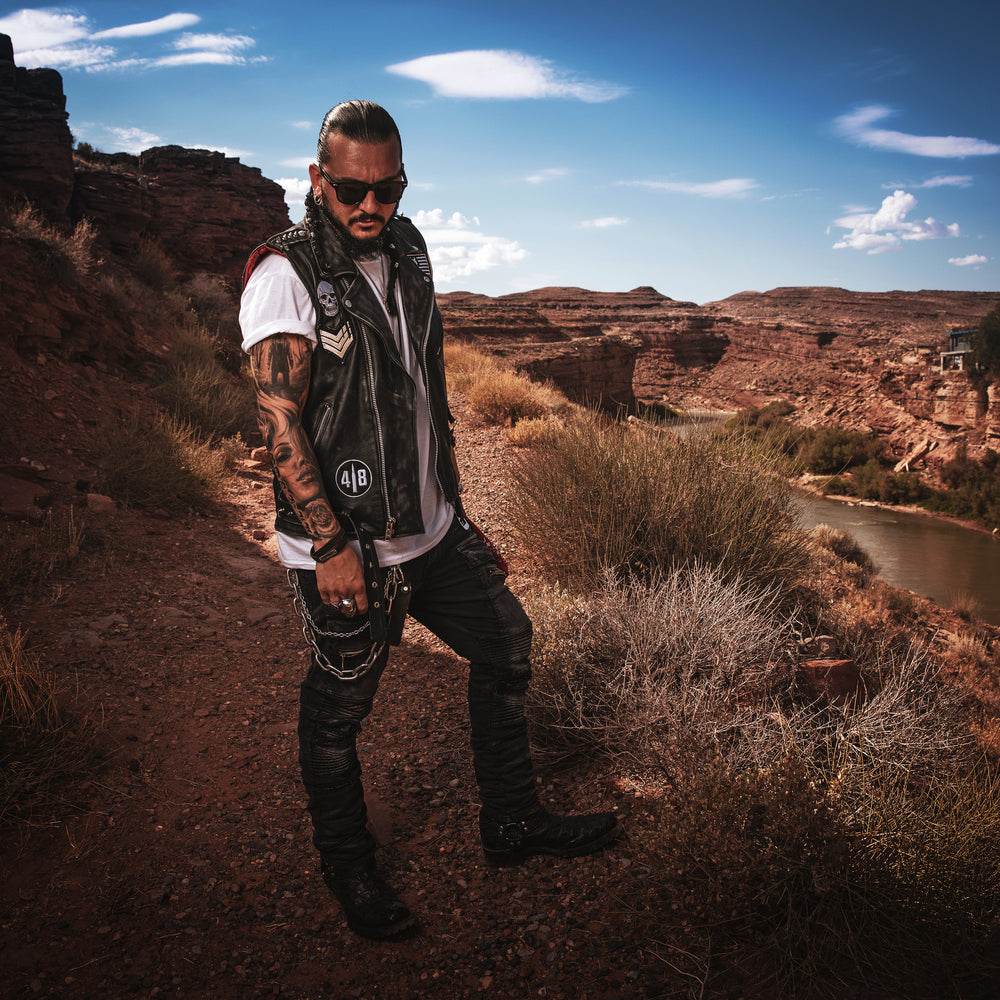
<point>317,197</point>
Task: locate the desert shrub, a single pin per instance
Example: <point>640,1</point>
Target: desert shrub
<point>32,552</point>
<point>533,431</point>
<point>640,662</point>
<point>811,888</point>
<point>194,386</point>
<point>598,496</point>
<point>214,303</point>
<point>158,462</point>
<point>828,450</point>
<point>495,391</point>
<point>872,481</point>
<point>844,545</point>
<point>504,397</point>
<point>42,746</point>
<point>973,488</point>
<point>152,265</point>
<point>71,251</point>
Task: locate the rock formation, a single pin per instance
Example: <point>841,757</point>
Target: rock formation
<point>207,210</point>
<point>36,147</point>
<point>868,361</point>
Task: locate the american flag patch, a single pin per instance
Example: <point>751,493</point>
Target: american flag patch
<point>420,259</point>
<point>338,343</point>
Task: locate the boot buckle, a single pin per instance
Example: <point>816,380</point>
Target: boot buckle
<point>513,832</point>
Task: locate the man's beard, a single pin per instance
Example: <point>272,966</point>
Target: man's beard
<point>354,246</point>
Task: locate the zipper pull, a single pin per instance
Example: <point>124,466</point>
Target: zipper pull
<point>390,527</point>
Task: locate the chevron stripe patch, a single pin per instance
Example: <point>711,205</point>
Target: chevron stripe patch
<point>338,343</point>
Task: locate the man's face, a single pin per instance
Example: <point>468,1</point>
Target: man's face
<point>368,163</point>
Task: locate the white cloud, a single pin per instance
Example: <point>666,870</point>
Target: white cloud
<point>857,127</point>
<point>64,40</point>
<point>608,222</point>
<point>549,174</point>
<point>200,58</point>
<point>300,162</point>
<point>942,180</point>
<point>499,73</point>
<point>733,187</point>
<point>172,22</point>
<point>215,43</point>
<point>304,125</point>
<point>884,230</point>
<point>133,140</point>
<point>457,250</point>
<point>973,260</point>
<point>42,29</point>
<point>65,57</point>
<point>296,189</point>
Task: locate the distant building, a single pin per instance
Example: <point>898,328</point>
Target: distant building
<point>959,353</point>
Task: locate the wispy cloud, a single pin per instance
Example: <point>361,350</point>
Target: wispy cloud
<point>943,180</point>
<point>61,39</point>
<point>296,189</point>
<point>172,22</point>
<point>973,260</point>
<point>857,127</point>
<point>548,174</point>
<point>458,249</point>
<point>607,222</point>
<point>733,187</point>
<point>885,230</point>
<point>500,73</point>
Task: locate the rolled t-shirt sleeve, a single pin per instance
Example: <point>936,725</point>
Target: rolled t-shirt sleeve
<point>275,301</point>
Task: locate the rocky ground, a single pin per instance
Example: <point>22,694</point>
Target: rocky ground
<point>182,867</point>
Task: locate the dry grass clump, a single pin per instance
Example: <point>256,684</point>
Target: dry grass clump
<point>639,661</point>
<point>32,552</point>
<point>496,392</point>
<point>777,879</point>
<point>157,462</point>
<point>533,432</point>
<point>843,545</point>
<point>643,504</point>
<point>195,387</point>
<point>41,746</point>
<point>73,250</point>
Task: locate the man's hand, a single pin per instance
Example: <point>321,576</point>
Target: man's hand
<point>340,577</point>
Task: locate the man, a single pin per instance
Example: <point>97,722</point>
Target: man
<point>345,340</point>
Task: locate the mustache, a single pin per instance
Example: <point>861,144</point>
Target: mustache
<point>366,217</point>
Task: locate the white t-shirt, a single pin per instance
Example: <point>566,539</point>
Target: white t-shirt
<point>276,301</point>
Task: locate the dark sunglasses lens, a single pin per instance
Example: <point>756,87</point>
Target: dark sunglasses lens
<point>351,194</point>
<point>389,192</point>
<point>386,193</point>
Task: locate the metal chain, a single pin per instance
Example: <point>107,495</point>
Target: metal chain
<point>310,630</point>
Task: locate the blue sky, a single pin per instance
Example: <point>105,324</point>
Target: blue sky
<point>706,150</point>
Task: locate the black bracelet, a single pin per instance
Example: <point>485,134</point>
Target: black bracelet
<point>329,549</point>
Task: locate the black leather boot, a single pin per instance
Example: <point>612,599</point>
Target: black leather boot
<point>370,905</point>
<point>509,841</point>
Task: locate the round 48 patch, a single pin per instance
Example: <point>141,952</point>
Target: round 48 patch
<point>354,478</point>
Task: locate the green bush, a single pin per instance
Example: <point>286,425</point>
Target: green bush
<point>602,495</point>
<point>830,450</point>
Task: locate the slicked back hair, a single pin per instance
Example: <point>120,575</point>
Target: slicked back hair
<point>360,121</point>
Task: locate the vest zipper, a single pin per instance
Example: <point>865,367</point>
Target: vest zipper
<point>390,521</point>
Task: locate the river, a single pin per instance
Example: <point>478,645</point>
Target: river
<point>927,555</point>
<point>924,554</point>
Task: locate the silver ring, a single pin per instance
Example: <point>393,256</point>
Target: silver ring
<point>347,607</point>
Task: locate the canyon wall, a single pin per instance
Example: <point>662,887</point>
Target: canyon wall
<point>868,361</point>
<point>207,210</point>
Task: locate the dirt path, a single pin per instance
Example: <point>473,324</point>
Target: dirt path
<point>186,868</point>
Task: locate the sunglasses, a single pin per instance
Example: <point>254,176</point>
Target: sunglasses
<point>355,192</point>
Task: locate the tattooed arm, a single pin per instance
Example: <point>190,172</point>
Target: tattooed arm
<point>281,368</point>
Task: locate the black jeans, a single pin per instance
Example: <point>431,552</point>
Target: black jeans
<point>460,594</point>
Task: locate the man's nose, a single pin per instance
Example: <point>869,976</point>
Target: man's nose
<point>370,203</point>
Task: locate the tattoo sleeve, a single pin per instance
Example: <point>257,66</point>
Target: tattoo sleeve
<point>281,368</point>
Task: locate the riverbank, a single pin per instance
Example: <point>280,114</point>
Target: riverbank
<point>807,483</point>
